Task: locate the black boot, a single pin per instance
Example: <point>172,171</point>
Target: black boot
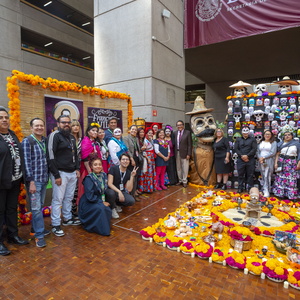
<point>218,185</point>
<point>3,249</point>
<point>224,187</point>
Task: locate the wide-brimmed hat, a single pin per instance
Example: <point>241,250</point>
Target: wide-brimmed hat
<point>286,80</point>
<point>240,84</point>
<point>199,107</point>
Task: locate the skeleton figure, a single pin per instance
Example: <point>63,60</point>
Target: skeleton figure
<point>258,114</point>
<point>283,101</point>
<point>239,92</point>
<point>292,100</point>
<point>247,117</point>
<point>237,116</point>
<point>203,126</point>
<point>284,88</point>
<point>260,89</point>
<point>258,136</point>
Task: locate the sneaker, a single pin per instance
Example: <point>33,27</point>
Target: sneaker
<point>71,222</point>
<point>58,231</point>
<point>40,242</point>
<point>115,215</point>
<point>46,232</point>
<point>119,209</point>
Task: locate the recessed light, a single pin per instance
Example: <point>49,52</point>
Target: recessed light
<point>87,57</point>
<point>46,45</point>
<point>48,3</point>
<point>87,23</point>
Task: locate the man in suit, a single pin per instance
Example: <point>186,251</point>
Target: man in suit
<point>183,152</point>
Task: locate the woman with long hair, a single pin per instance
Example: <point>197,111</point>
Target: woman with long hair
<point>94,210</point>
<point>222,159</point>
<point>287,166</point>
<point>103,149</point>
<point>171,167</point>
<point>266,151</point>
<point>162,150</point>
<point>89,146</point>
<point>77,133</point>
<point>147,179</point>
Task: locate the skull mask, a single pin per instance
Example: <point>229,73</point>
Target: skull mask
<point>258,114</point>
<point>237,116</point>
<point>260,89</point>
<point>258,136</point>
<point>204,126</point>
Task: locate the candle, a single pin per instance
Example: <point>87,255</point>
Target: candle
<point>262,276</point>
<point>210,260</point>
<point>230,250</point>
<point>245,271</point>
<point>285,284</point>
<point>151,240</point>
<point>224,262</point>
<point>178,249</point>
<point>193,254</point>
<point>220,236</point>
<point>164,244</point>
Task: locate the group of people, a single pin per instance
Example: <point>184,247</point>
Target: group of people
<point>92,177</point>
<point>282,157</point>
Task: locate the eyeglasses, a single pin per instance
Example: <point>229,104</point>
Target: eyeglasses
<point>124,159</point>
<point>64,122</point>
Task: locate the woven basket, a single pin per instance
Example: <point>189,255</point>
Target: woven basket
<point>246,244</point>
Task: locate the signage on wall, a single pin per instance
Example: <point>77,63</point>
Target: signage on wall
<point>154,113</point>
<point>102,116</point>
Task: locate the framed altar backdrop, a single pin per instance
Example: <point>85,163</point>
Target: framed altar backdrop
<point>27,93</point>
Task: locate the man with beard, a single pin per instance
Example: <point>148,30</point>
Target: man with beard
<point>245,147</point>
<point>183,152</point>
<point>64,168</point>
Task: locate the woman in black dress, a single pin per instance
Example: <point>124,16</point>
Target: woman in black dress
<point>222,158</point>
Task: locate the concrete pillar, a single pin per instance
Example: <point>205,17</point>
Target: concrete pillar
<point>140,52</point>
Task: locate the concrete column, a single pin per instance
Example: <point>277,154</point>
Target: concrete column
<point>140,52</point>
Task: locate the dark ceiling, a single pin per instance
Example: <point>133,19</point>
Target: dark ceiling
<point>268,55</point>
<point>65,12</point>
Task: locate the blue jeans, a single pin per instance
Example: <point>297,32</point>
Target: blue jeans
<point>36,206</point>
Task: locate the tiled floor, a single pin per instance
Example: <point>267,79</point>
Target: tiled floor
<point>82,265</point>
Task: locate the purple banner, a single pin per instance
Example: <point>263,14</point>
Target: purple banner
<point>214,21</point>
<point>56,106</point>
<point>102,116</point>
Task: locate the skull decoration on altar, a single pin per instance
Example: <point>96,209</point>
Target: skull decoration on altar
<point>260,89</point>
<point>258,114</point>
<point>237,116</point>
<point>240,88</point>
<point>285,85</point>
<point>270,116</point>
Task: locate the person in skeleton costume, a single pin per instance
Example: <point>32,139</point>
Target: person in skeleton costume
<point>203,126</point>
<point>245,147</point>
<point>266,151</point>
<point>287,165</point>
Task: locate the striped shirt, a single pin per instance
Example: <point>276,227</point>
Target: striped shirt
<point>36,166</point>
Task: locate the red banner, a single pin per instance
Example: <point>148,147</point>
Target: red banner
<point>213,21</point>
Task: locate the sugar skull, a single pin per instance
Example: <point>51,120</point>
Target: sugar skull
<point>276,101</point>
<point>230,132</point>
<point>251,110</point>
<point>230,124</point>
<point>237,116</point>
<point>267,124</point>
<point>274,124</point>
<point>203,126</point>
<point>251,102</point>
<point>268,109</point>
<point>266,102</point>
<point>259,102</point>
<point>247,117</point>
<point>258,114</point>
<point>283,101</point>
<point>230,103</point>
<point>273,108</point>
<point>244,109</point>
<point>260,89</point>
<point>230,111</point>
<point>239,92</point>
<point>293,107</point>
<point>270,116</point>
<point>284,88</point>
<point>237,103</point>
<point>292,100</point>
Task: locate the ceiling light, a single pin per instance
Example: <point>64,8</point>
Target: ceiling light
<point>87,57</point>
<point>48,3</point>
<point>87,23</point>
<point>46,45</point>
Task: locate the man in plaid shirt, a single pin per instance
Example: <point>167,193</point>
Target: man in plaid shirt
<point>36,167</point>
